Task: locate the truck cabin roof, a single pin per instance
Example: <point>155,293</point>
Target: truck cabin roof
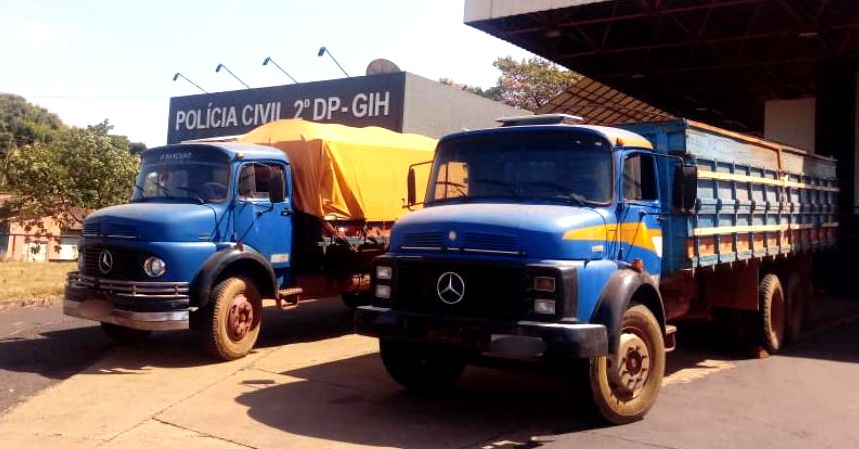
<point>233,151</point>
<point>618,138</point>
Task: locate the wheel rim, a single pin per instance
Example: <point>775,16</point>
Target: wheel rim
<point>240,316</point>
<point>777,317</point>
<point>630,375</point>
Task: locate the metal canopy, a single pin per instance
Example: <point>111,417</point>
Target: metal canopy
<point>716,61</point>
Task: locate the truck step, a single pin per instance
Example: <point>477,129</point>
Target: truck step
<point>670,337</point>
<point>287,298</point>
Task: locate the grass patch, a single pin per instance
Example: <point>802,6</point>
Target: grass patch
<point>27,283</point>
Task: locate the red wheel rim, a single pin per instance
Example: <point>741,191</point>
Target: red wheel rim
<point>240,317</point>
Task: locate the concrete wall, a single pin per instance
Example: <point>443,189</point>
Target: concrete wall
<point>434,109</point>
<point>791,122</point>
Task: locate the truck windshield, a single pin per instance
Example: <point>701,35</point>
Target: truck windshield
<point>570,167</point>
<point>201,182</point>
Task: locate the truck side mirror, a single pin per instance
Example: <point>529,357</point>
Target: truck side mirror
<point>410,185</point>
<point>277,186</point>
<point>685,186</point>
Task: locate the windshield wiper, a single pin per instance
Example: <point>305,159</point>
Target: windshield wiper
<point>459,187</point>
<point>196,194</point>
<point>142,197</point>
<point>574,197</point>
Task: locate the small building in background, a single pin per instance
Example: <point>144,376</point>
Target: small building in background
<point>40,240</point>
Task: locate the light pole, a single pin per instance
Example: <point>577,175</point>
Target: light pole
<point>323,50</point>
<point>268,59</point>
<point>179,75</point>
<point>221,66</point>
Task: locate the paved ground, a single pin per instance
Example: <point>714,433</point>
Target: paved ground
<point>314,384</point>
<point>40,347</point>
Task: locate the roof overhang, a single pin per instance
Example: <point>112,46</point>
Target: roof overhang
<point>716,61</point>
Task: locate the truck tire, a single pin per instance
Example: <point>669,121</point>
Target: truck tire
<point>626,394</point>
<point>772,315</point>
<point>232,319</point>
<point>354,300</point>
<point>123,335</point>
<point>420,367</point>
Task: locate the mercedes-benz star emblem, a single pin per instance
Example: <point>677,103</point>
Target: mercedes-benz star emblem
<point>450,288</point>
<point>105,261</point>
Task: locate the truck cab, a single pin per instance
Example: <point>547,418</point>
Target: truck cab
<point>205,236</point>
<point>539,238</point>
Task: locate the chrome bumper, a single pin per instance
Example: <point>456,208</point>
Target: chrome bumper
<point>133,289</point>
<point>137,305</point>
<point>517,338</point>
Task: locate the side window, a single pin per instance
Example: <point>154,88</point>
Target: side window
<point>639,178</point>
<point>255,181</point>
<point>452,180</point>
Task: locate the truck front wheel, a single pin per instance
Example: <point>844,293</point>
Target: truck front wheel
<point>623,391</point>
<point>420,367</point>
<point>233,318</point>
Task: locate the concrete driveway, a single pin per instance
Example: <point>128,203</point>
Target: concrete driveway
<point>313,384</point>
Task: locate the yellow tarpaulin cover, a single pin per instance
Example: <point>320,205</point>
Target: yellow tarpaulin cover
<point>344,172</point>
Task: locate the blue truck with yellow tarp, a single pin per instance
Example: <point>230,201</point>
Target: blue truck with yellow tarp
<point>291,211</point>
<point>582,244</point>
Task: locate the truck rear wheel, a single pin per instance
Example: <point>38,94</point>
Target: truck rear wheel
<point>625,393</point>
<point>420,367</point>
<point>123,335</point>
<point>772,316</point>
<point>233,318</point>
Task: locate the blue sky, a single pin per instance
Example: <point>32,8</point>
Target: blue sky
<point>89,60</point>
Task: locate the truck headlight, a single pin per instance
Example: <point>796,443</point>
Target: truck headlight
<point>544,306</point>
<point>154,267</point>
<point>383,291</point>
<point>384,273</point>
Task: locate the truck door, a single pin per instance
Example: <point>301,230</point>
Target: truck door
<point>264,225</point>
<point>640,217</point>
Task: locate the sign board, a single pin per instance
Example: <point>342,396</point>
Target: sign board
<point>360,101</point>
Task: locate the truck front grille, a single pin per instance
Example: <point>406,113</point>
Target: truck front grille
<point>491,291</point>
<point>127,263</point>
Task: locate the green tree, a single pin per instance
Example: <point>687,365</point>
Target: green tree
<point>80,168</point>
<point>137,148</point>
<point>21,125</point>
<point>491,93</point>
<point>530,83</point>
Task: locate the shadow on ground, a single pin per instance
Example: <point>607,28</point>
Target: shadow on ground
<point>353,400</point>
<point>58,354</point>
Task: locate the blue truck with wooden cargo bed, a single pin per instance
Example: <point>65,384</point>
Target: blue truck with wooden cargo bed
<point>582,244</point>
